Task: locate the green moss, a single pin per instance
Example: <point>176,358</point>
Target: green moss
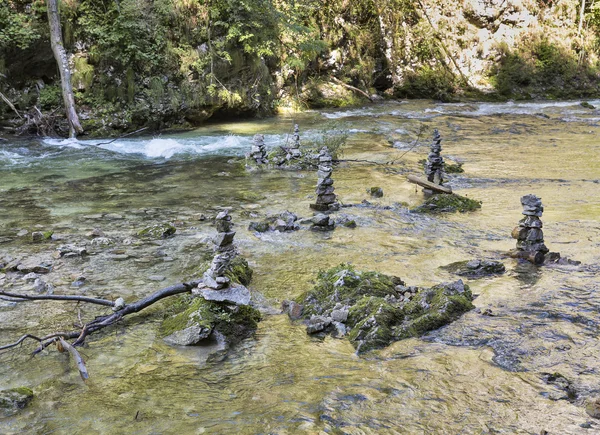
<point>343,284</point>
<point>378,311</point>
<point>158,231</point>
<point>239,271</point>
<point>15,398</point>
<point>453,168</point>
<point>234,322</point>
<point>448,203</point>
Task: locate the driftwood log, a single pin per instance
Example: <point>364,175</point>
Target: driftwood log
<point>429,185</point>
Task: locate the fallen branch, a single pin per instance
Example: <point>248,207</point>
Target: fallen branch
<point>76,356</point>
<point>429,185</point>
<point>352,88</point>
<point>102,321</point>
<point>59,298</point>
<point>19,341</point>
<point>7,101</point>
<point>121,137</point>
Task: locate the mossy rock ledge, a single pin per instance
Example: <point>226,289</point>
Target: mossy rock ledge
<point>192,320</point>
<point>11,401</point>
<point>447,203</point>
<point>373,309</point>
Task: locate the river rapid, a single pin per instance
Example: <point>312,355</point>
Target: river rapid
<point>479,375</point>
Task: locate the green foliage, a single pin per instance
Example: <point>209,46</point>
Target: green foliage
<point>50,97</point>
<point>428,82</point>
<point>18,26</point>
<point>540,65</point>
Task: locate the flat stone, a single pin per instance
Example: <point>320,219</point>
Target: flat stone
<point>326,199</point>
<point>324,181</point>
<point>319,207</point>
<point>118,257</point>
<point>32,266</point>
<point>156,278</point>
<point>188,336</point>
<point>223,239</point>
<point>237,294</point>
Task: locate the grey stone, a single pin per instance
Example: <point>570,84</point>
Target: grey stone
<point>320,219</point>
<point>30,277</point>
<point>13,400</point>
<point>223,239</point>
<point>188,336</point>
<point>156,278</point>
<point>317,324</point>
<point>339,315</point>
<point>237,294</point>
<point>292,308</point>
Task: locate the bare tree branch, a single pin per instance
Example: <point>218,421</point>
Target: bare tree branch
<point>19,341</point>
<point>59,298</point>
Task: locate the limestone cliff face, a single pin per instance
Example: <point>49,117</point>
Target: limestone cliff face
<point>470,38</point>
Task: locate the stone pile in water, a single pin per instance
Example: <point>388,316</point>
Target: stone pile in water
<point>529,234</point>
<point>434,168</point>
<point>294,151</point>
<point>326,198</point>
<point>259,153</point>
<point>215,285</point>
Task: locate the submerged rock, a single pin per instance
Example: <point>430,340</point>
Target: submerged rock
<point>376,309</point>
<point>286,221</point>
<point>11,401</point>
<point>447,203</point>
<point>476,268</point>
<point>158,231</point>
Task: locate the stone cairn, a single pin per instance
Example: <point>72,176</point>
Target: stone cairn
<point>529,234</point>
<point>294,150</point>
<point>214,277</point>
<point>326,200</point>
<point>215,286</point>
<point>259,153</point>
<point>434,168</point>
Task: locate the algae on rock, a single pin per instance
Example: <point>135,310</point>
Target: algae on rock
<point>374,309</point>
<point>442,203</point>
<point>11,401</point>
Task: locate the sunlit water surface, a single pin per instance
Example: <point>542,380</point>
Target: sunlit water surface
<point>479,375</point>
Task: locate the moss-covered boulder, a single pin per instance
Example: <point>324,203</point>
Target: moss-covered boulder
<point>476,268</point>
<point>157,231</point>
<point>374,310</point>
<point>447,203</point>
<point>201,320</point>
<point>11,401</point>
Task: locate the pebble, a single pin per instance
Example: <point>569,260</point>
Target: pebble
<point>156,278</point>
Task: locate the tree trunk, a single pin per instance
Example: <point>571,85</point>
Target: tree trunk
<point>63,67</point>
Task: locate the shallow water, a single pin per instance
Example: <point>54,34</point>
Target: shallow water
<point>481,374</point>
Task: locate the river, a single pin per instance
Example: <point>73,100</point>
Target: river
<point>479,375</point>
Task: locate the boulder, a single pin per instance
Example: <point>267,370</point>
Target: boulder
<point>376,309</point>
<point>197,319</point>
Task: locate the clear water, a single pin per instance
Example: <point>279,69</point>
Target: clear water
<point>482,374</point>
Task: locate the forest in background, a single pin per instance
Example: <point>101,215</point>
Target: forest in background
<point>177,63</point>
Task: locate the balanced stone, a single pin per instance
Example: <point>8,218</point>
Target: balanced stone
<point>294,151</point>
<point>259,153</point>
<point>529,234</point>
<point>214,277</point>
<point>326,198</point>
<point>434,168</point>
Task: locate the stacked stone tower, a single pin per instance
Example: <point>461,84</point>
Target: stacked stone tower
<point>214,277</point>
<point>326,198</point>
<point>259,153</point>
<point>529,234</point>
<point>294,150</point>
<point>434,168</point>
